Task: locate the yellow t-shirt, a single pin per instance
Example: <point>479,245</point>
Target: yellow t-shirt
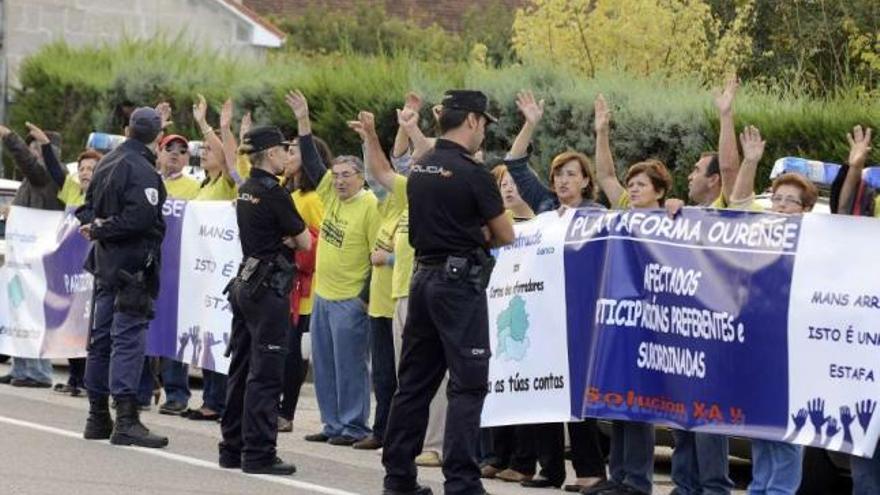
<point>348,233</point>
<point>404,254</point>
<point>623,202</point>
<point>877,207</point>
<point>312,212</point>
<point>183,187</point>
<point>390,210</point>
<point>223,188</point>
<point>71,193</point>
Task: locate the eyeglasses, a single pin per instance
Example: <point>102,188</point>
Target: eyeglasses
<point>345,175</point>
<point>785,200</point>
<point>180,150</point>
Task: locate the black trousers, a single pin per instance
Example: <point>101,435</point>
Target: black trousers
<point>447,328</point>
<point>586,451</point>
<point>258,343</point>
<point>77,372</point>
<point>515,448</point>
<point>294,369</point>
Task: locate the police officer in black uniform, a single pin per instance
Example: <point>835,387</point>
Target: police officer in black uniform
<point>455,213</point>
<point>122,216</point>
<point>270,229</point>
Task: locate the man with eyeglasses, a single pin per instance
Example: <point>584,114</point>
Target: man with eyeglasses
<point>339,325</point>
<point>173,156</point>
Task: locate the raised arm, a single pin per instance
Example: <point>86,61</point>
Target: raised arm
<point>24,160</point>
<point>53,166</point>
<point>230,145</point>
<point>401,139</point>
<point>410,125</point>
<point>606,175</point>
<point>533,111</point>
<point>859,148</point>
<point>376,162</point>
<point>200,112</point>
<point>728,153</point>
<point>313,166</point>
<point>753,150</point>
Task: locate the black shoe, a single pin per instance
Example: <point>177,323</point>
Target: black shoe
<point>229,462</point>
<point>6,379</point>
<point>418,490</point>
<point>343,441</point>
<point>279,468</point>
<point>603,488</point>
<point>172,408</point>
<point>540,483</point>
<point>317,437</point>
<point>99,425</point>
<point>29,383</point>
<point>130,431</point>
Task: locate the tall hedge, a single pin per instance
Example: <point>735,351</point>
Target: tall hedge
<point>77,90</point>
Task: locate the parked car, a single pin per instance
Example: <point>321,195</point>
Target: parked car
<point>8,189</point>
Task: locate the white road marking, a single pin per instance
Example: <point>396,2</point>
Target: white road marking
<point>192,461</point>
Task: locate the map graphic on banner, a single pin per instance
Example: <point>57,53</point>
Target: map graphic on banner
<point>738,323</point>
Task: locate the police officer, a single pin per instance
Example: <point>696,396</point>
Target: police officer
<point>455,212</point>
<point>269,229</point>
<point>122,216</point>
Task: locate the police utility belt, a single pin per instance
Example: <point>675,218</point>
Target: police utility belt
<point>475,266</point>
<point>255,276</point>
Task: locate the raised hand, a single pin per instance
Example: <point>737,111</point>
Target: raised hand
<point>197,345</point>
<point>532,110</point>
<point>164,110</point>
<point>602,114</point>
<point>246,123</point>
<point>226,114</point>
<point>413,102</point>
<point>752,144</point>
<point>859,146</point>
<point>37,133</point>
<point>298,104</point>
<point>4,131</point>
<point>365,125</point>
<point>183,340</point>
<point>208,354</point>
<point>724,98</point>
<point>865,410</point>
<point>407,118</point>
<point>200,111</point>
<point>830,430</point>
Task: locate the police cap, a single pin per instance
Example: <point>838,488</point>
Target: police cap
<point>262,138</point>
<point>145,124</point>
<point>471,101</point>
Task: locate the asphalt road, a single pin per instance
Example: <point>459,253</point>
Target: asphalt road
<point>43,453</point>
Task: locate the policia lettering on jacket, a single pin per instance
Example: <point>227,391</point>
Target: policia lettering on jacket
<point>267,222</point>
<point>452,198</point>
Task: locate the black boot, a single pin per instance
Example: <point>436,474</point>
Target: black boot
<point>130,431</point>
<point>99,425</point>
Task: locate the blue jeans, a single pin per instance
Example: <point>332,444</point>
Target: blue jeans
<point>214,391</point>
<point>699,463</point>
<point>33,368</point>
<point>631,460</point>
<point>175,379</point>
<point>116,349</point>
<point>866,474</point>
<point>384,374</point>
<point>340,350</point>
<point>776,468</point>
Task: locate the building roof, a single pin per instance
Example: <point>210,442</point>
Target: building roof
<point>265,33</point>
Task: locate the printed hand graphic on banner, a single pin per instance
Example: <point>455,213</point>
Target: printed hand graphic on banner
<point>197,345</point>
<point>830,430</point>
<point>846,419</point>
<point>799,419</point>
<point>816,408</point>
<point>865,410</point>
<point>208,354</point>
<point>183,340</point>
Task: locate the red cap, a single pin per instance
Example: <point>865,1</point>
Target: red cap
<point>171,138</point>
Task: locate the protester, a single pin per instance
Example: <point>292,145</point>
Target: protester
<point>451,198</point>
<point>339,326</point>
<point>122,216</point>
<point>269,228</point>
<point>572,185</point>
<point>310,208</point>
<point>699,461</point>
<point>37,190</point>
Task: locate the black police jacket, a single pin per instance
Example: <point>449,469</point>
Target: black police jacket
<point>124,207</point>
